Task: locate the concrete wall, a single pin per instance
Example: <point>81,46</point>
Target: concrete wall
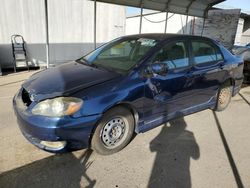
<point>71,26</point>
<point>220,25</point>
<point>239,31</point>
<point>245,38</point>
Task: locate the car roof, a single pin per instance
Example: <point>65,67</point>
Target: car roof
<point>164,36</point>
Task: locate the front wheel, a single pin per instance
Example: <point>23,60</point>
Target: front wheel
<point>224,97</point>
<point>114,131</point>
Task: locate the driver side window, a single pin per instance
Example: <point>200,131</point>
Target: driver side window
<point>173,54</point>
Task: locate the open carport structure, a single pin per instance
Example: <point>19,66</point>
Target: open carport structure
<point>197,8</point>
<point>206,149</point>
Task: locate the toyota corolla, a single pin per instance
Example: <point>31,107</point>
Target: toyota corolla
<point>129,85</point>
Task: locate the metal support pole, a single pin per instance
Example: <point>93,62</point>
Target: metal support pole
<point>203,25</point>
<point>166,23</point>
<point>182,26</point>
<point>95,24</point>
<point>141,21</point>
<point>187,24</point>
<point>193,25</point>
<point>1,71</point>
<point>46,31</point>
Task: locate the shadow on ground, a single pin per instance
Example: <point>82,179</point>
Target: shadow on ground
<point>10,71</point>
<point>56,171</point>
<point>174,148</point>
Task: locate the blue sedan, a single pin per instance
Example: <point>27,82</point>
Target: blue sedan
<point>129,85</point>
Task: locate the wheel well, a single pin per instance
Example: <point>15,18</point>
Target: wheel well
<point>125,105</point>
<point>132,110</point>
<point>229,82</point>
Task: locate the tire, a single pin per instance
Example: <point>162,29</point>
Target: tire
<point>114,131</point>
<point>224,97</point>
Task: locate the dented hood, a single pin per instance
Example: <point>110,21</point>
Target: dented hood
<point>64,80</point>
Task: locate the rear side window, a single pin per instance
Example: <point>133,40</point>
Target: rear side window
<point>173,54</point>
<point>204,52</point>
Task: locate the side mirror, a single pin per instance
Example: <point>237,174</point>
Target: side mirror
<point>156,68</point>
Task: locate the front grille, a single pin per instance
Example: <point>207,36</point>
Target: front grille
<point>26,97</point>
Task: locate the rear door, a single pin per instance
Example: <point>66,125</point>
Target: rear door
<point>207,71</point>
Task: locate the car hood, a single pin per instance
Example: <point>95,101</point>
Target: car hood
<point>64,80</point>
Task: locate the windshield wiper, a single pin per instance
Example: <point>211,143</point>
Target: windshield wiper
<point>97,66</point>
<point>86,62</point>
<point>103,67</point>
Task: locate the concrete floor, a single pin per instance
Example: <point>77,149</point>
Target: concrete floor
<point>205,149</point>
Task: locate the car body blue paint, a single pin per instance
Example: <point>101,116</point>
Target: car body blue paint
<point>154,99</point>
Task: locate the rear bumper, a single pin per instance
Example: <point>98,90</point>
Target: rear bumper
<point>75,132</point>
<point>237,86</point>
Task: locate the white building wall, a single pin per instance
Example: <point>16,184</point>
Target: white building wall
<point>71,24</point>
<point>155,23</point>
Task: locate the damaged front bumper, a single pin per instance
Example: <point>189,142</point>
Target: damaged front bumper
<point>54,134</point>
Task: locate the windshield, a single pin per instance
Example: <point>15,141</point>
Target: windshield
<point>120,55</point>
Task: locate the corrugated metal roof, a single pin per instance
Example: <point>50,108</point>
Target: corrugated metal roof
<point>187,7</point>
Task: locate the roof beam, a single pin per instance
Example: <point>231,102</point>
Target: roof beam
<point>167,5</point>
<point>178,7</point>
<point>187,13</point>
<point>189,5</point>
<point>141,5</point>
<point>166,23</point>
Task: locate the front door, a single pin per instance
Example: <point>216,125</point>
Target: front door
<point>169,94</point>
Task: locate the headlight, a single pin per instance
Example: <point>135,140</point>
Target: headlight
<point>57,107</point>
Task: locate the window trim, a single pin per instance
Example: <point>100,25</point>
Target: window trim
<point>209,63</point>
<point>186,45</point>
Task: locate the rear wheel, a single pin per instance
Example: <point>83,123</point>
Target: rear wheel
<point>113,132</point>
<point>224,97</point>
